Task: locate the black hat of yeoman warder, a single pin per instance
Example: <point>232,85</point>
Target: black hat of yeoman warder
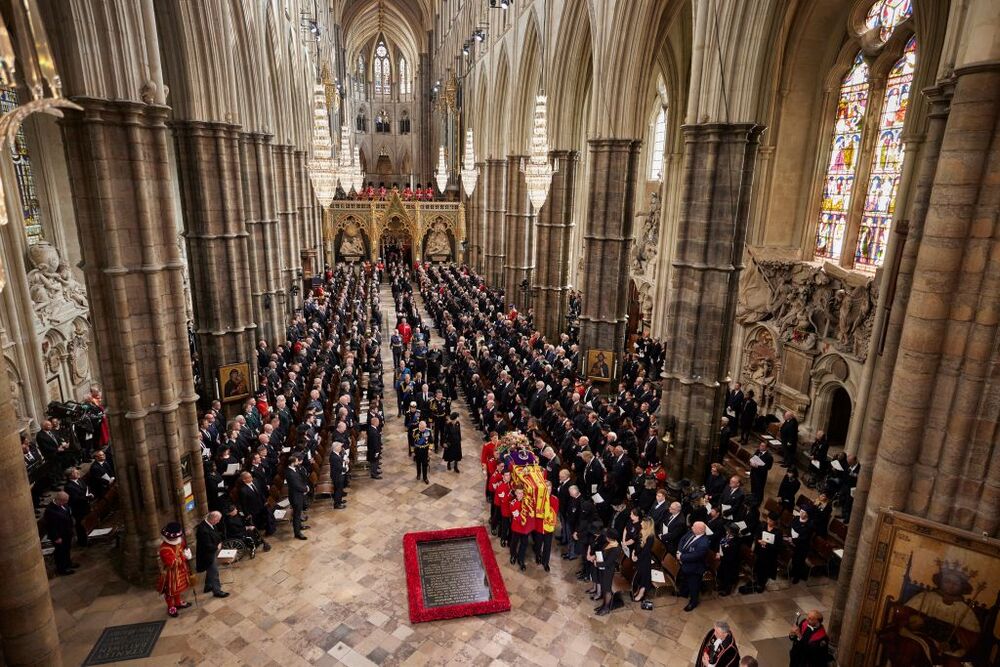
<point>172,530</point>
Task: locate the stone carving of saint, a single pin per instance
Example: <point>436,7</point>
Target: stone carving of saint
<point>646,243</point>
<point>437,242</point>
<point>53,289</point>
<point>352,245</point>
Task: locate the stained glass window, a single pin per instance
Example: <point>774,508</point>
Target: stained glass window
<point>383,86</point>
<point>405,85</point>
<point>843,160</point>
<point>659,145</point>
<point>887,164</point>
<point>887,14</point>
<point>30,208</point>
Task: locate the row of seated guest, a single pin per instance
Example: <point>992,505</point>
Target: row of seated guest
<point>307,391</point>
<point>493,348</point>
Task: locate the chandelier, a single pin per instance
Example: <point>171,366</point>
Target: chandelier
<point>441,175</point>
<point>321,167</point>
<point>344,168</point>
<point>538,171</point>
<point>470,173</point>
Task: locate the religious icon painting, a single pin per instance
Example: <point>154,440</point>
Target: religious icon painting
<point>933,598</point>
<point>234,381</point>
<point>600,364</point>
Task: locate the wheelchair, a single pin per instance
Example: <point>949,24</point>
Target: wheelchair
<point>245,545</point>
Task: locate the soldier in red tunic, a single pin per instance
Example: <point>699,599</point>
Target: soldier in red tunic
<point>174,575</point>
<point>522,521</point>
<point>501,498</point>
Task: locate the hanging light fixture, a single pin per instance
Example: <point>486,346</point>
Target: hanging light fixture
<point>321,167</point>
<point>470,174</point>
<point>538,171</point>
<point>441,175</point>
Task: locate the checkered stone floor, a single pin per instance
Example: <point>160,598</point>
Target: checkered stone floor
<point>340,597</point>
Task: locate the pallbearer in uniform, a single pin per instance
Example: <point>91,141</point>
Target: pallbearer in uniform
<point>547,526</point>
<point>521,524</point>
<point>174,574</point>
<point>488,460</point>
<point>439,408</point>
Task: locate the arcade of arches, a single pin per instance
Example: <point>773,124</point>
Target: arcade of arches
<point>802,197</point>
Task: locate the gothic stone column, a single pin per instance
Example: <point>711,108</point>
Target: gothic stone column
<point>285,206</point>
<point>613,169</point>
<point>211,186</point>
<point>28,633</point>
<point>474,222</point>
<point>936,456</point>
<point>264,250</point>
<point>496,202</point>
<point>518,233</point>
<point>303,204</point>
<point>555,227</point>
<point>717,180</point>
<point>123,191</point>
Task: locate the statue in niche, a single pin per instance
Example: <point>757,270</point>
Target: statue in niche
<point>352,244</point>
<point>854,305</point>
<point>438,244</point>
<point>646,243</point>
<point>79,362</point>
<point>54,290</point>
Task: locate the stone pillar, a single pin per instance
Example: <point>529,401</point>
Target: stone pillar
<point>894,294</point>
<point>717,177</point>
<point>496,202</point>
<point>208,166</point>
<point>555,228</point>
<point>285,205</point>
<point>937,449</point>
<point>28,634</point>
<point>518,233</point>
<point>303,204</point>
<point>607,237</point>
<point>477,221</point>
<point>123,191</point>
<point>264,250</point>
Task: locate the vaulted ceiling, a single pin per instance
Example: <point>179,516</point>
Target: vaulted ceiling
<point>404,22</point>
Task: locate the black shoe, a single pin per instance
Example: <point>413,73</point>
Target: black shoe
<point>522,567</point>
<point>305,527</point>
<point>513,560</point>
<point>340,506</point>
<point>546,566</point>
<point>305,518</point>
<point>746,589</point>
<point>184,605</point>
<point>172,612</point>
<point>603,611</point>
<point>425,481</point>
<point>503,543</point>
<point>266,547</point>
<point>65,573</point>
<point>220,594</point>
<point>493,531</point>
<point>300,536</point>
<point>689,607</point>
<point>456,468</point>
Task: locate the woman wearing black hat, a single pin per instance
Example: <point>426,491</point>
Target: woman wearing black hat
<point>174,574</point>
<point>453,441</point>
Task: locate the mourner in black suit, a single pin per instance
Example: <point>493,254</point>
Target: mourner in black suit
<point>297,489</point>
<point>789,439</point>
<point>673,527</point>
<point>758,472</point>
<point>374,443</point>
<point>691,553</point>
<point>337,475</point>
<point>209,539</point>
<point>59,530</point>
<point>79,503</point>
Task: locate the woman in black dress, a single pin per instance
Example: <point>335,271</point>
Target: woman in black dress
<point>788,489</point>
<point>642,556</point>
<point>630,535</point>
<point>607,563</point>
<point>453,442</point>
